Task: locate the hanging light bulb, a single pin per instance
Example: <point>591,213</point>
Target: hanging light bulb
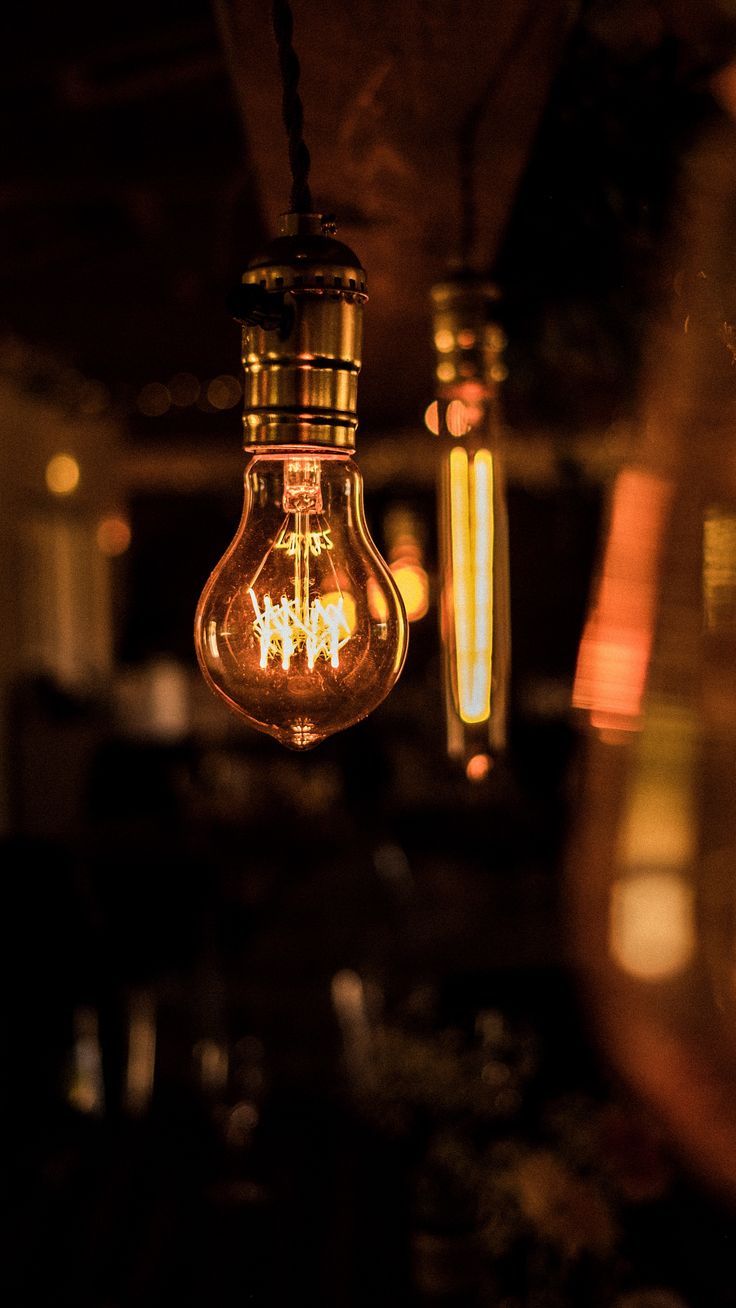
<point>473,529</point>
<point>301,628</point>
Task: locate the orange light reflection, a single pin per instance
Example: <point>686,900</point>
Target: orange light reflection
<point>614,653</point>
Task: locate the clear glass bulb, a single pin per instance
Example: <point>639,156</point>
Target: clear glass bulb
<point>301,628</point>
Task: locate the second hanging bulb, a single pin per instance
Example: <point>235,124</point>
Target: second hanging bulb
<point>475,626</point>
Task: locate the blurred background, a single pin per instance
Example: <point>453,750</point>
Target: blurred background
<point>285,1028</point>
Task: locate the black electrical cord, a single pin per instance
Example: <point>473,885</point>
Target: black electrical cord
<point>291,107</point>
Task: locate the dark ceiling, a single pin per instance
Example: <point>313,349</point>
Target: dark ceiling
<point>145,159</point>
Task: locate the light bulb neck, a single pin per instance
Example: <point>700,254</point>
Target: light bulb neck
<point>300,303</point>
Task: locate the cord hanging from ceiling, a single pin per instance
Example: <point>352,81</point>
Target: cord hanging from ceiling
<point>291,107</point>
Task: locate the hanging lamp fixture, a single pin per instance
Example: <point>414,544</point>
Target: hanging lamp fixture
<point>474,605</point>
<point>301,629</point>
<point>473,540</point>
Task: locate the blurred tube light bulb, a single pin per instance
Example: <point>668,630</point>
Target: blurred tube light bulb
<point>615,649</point>
<point>473,526</point>
<point>301,629</point>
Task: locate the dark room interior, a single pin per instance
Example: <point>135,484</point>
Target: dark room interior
<point>385,1021</point>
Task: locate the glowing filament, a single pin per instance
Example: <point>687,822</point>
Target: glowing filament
<point>472,531</point>
<point>284,631</point>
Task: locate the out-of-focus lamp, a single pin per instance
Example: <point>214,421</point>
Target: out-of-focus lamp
<point>651,866</point>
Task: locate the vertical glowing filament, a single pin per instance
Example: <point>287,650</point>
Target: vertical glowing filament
<point>472,532</point>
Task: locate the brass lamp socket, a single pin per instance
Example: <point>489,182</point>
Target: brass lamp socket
<point>301,306</point>
<point>468,340</point>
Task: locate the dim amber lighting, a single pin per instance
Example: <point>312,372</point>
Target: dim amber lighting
<point>224,392</point>
<point>616,644</point>
<point>94,398</point>
<point>719,568</point>
<point>141,1054</point>
<point>184,389</point>
<point>478,767</point>
<point>154,399</point>
<point>62,474</point>
<point>213,1064</point>
<point>349,1001</point>
<point>113,536</point>
<point>86,1090</point>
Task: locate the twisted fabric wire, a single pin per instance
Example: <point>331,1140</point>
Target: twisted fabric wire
<point>291,107</point>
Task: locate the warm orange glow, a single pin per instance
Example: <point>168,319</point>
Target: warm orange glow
<point>413,584</point>
<point>62,474</point>
<point>478,767</point>
<point>113,536</point>
<point>652,935</point>
<point>300,628</point>
<point>456,418</point>
<point>472,535</point>
<point>432,418</point>
<point>404,536</point>
<point>154,400</point>
<point>444,340</point>
<point>614,653</point>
